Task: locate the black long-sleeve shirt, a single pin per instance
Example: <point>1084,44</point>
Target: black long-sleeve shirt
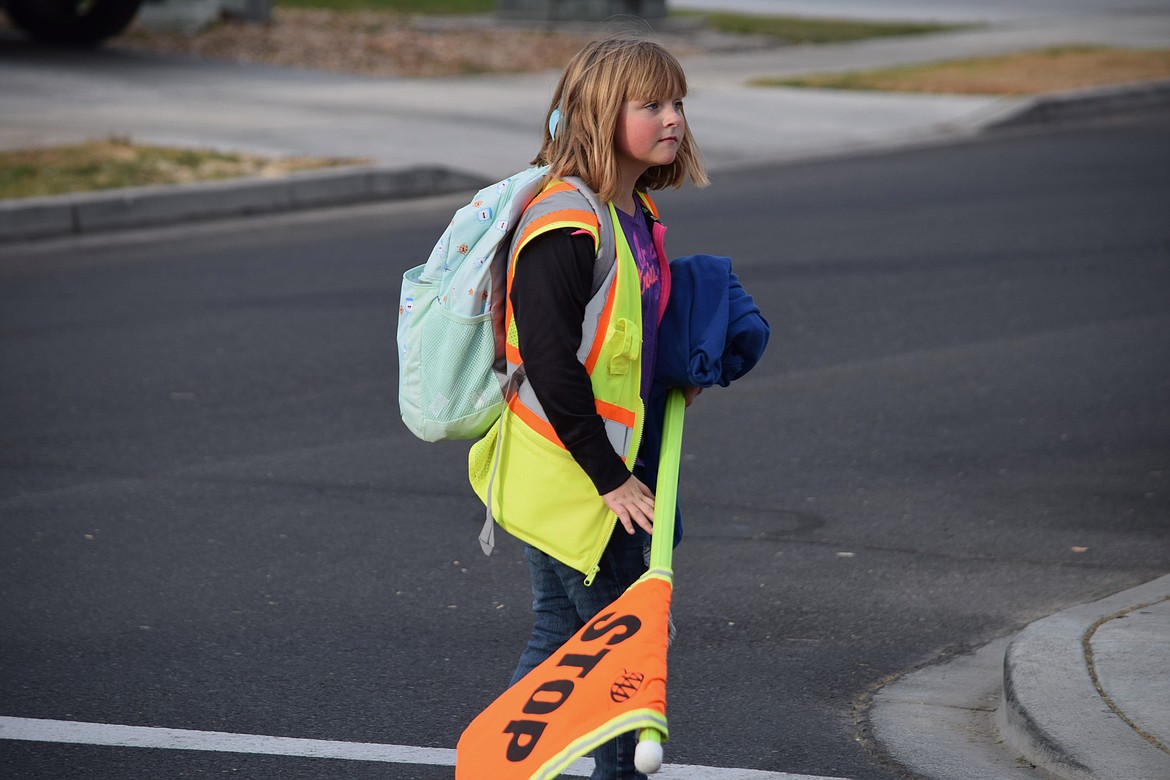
<point>551,287</point>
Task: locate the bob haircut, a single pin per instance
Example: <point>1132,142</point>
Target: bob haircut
<point>596,84</point>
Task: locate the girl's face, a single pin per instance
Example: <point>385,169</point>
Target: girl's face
<point>649,133</point>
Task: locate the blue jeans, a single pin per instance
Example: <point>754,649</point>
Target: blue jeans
<point>562,605</point>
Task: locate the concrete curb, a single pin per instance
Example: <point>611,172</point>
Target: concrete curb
<point>1052,710</point>
<point>1083,103</point>
<point>939,721</point>
<point>136,207</point>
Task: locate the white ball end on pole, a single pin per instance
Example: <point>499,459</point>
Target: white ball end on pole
<point>648,756</point>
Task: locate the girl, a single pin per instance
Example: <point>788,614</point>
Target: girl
<point>561,465</point>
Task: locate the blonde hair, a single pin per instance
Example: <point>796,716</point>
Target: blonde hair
<point>596,84</point>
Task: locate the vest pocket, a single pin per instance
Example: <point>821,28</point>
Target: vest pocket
<point>625,344</point>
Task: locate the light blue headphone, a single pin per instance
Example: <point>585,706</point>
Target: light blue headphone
<point>554,119</point>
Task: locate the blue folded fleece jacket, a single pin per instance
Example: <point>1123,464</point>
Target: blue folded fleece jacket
<point>712,333</point>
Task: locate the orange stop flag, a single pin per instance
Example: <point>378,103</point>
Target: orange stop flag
<point>608,679</point>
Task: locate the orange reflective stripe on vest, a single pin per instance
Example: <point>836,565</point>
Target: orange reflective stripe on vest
<point>542,426</point>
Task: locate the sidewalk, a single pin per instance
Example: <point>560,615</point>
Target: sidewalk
<point>1083,695</point>
<point>448,132</point>
<point>1086,692</point>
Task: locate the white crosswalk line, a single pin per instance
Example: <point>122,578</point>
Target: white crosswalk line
<point>110,735</point>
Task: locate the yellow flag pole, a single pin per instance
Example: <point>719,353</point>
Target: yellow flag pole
<point>648,755</point>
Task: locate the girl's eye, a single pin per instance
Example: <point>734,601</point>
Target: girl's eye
<point>678,105</point>
<point>652,105</point>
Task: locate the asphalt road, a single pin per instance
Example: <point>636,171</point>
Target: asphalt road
<point>212,518</point>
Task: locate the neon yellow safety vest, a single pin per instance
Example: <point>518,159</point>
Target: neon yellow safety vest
<point>539,493</point>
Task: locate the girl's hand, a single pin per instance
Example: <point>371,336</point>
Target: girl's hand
<point>633,503</point>
<point>691,393</point>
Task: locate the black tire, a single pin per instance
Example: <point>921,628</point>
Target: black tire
<point>76,22</point>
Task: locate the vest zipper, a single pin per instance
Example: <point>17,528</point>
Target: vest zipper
<point>641,425</point>
<point>596,566</point>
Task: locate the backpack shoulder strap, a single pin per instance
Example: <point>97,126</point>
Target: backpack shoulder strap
<point>570,202</point>
<point>606,241</point>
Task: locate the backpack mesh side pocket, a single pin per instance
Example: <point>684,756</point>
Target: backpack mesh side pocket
<point>415,302</point>
<point>460,393</point>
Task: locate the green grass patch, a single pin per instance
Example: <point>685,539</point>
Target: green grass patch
<point>793,29</point>
<point>443,7</point>
<point>117,162</point>
<point>1024,73</point>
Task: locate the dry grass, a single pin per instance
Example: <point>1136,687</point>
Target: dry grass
<point>371,37</point>
<point>1027,73</point>
<point>430,38</point>
<point>117,162</point>
<point>369,42</point>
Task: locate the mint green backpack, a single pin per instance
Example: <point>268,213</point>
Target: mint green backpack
<point>452,373</point>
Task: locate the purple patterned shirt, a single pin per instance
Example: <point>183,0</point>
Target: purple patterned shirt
<point>641,243</point>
